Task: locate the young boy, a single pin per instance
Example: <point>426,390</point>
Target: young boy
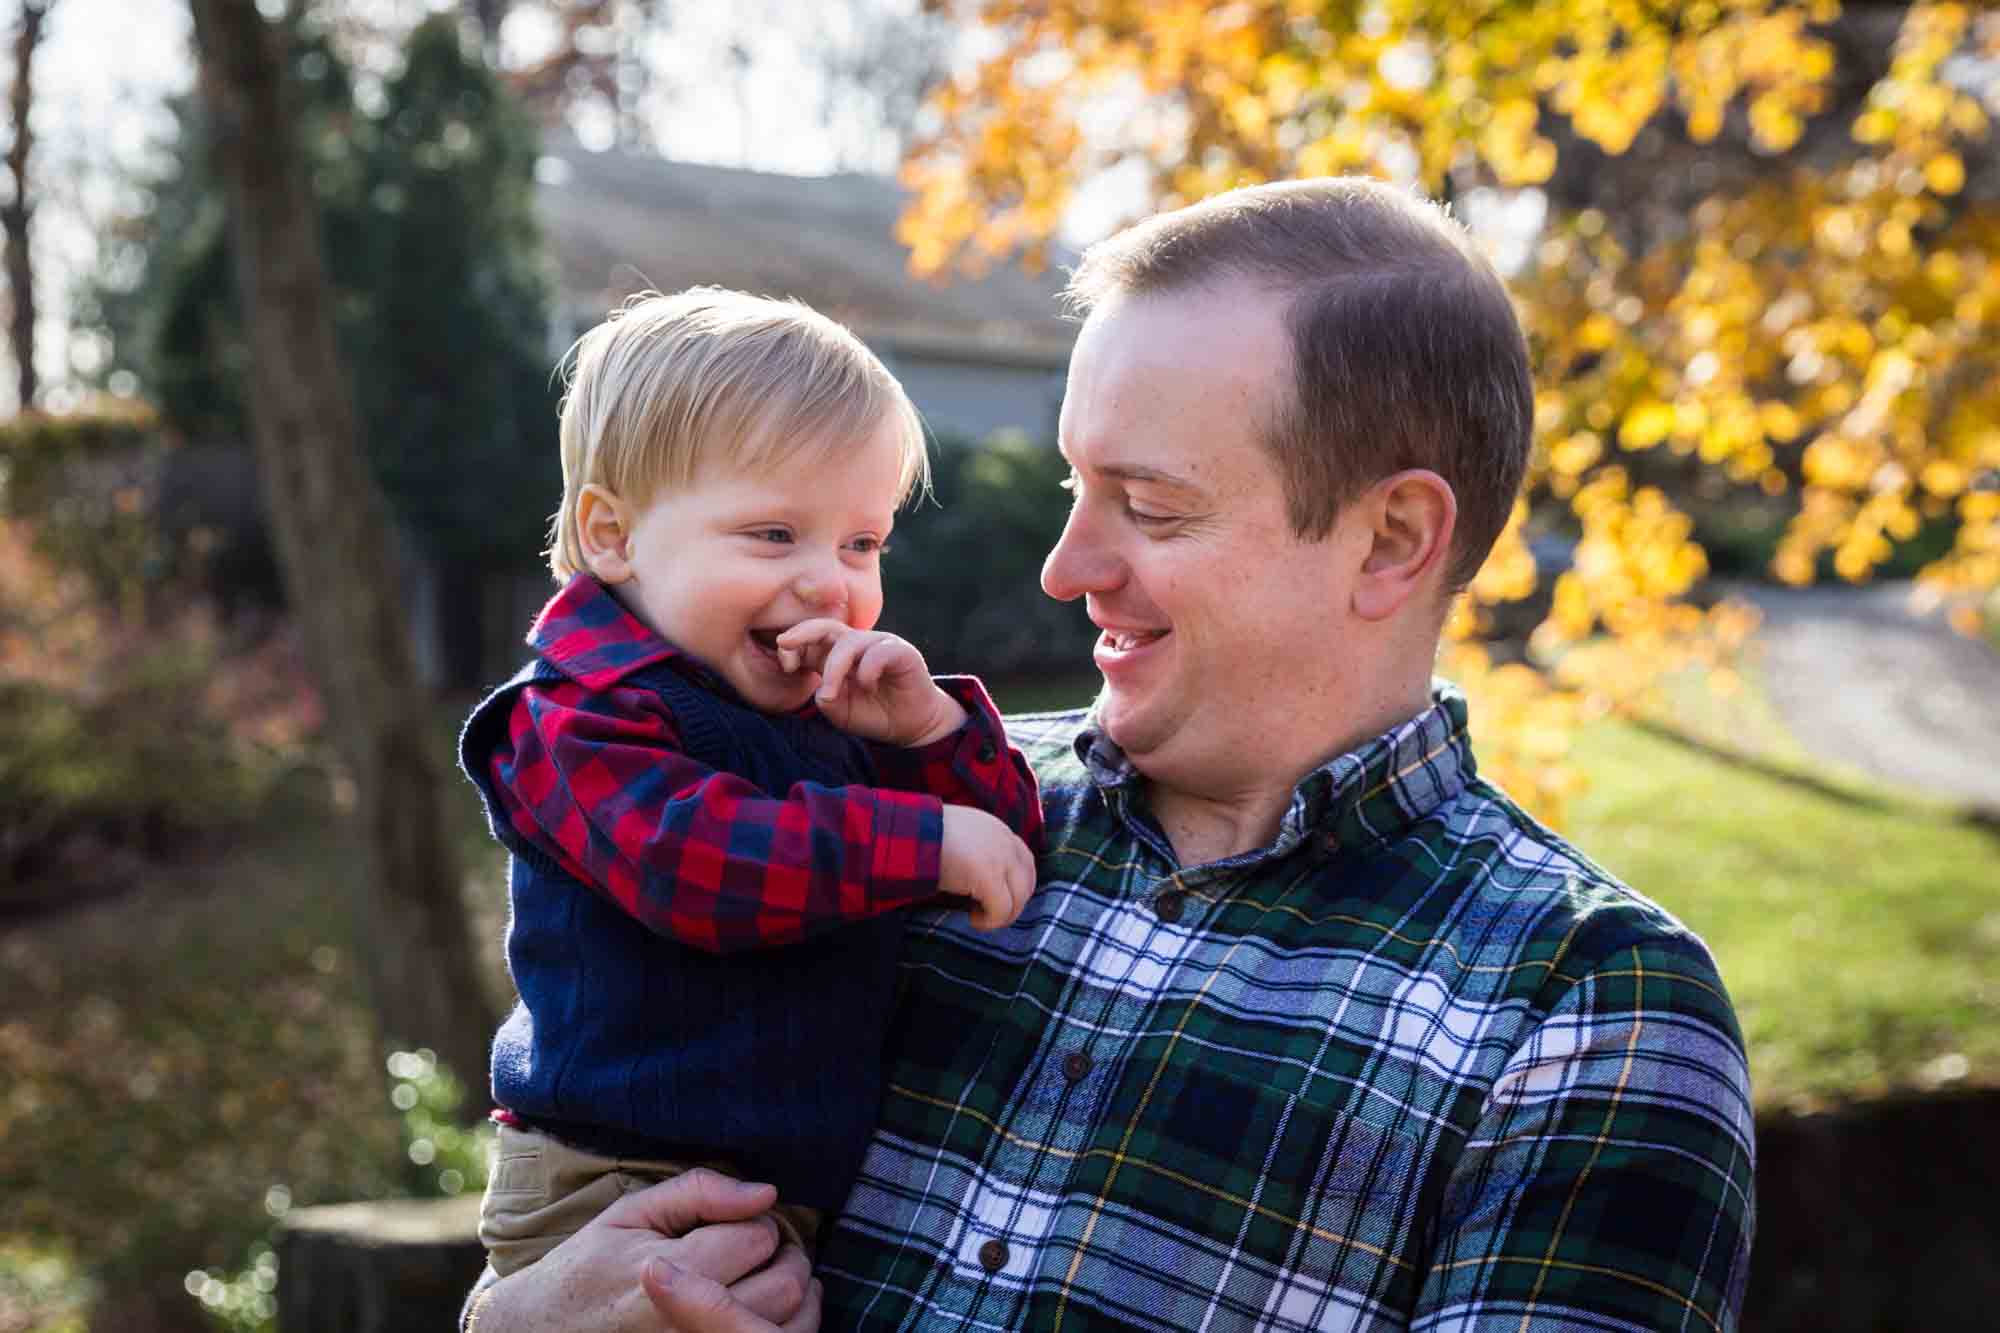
<point>717,782</point>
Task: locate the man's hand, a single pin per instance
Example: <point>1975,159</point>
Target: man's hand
<point>871,684</point>
<point>982,859</point>
<point>693,1253</point>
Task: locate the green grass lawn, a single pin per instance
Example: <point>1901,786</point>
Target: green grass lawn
<point>1859,934</point>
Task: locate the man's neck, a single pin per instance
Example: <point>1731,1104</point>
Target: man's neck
<point>1210,828</point>
<point>1216,815</point>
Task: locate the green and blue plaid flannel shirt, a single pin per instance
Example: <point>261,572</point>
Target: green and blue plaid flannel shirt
<point>1417,1064</point>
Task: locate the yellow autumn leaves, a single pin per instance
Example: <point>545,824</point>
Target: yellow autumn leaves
<point>1817,328</point>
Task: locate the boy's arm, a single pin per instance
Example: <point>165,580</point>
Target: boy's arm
<point>599,781</point>
<point>973,765</point>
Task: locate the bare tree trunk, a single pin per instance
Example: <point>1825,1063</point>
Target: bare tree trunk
<point>333,542</point>
<point>18,211</point>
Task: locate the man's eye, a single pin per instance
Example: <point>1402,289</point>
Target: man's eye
<point>1140,516</point>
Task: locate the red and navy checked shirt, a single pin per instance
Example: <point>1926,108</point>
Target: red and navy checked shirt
<point>594,774</point>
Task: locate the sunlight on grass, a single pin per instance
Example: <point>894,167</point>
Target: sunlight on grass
<point>1860,938</point>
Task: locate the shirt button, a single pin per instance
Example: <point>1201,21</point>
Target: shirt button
<point>1075,1066</point>
<point>1169,905</point>
<point>987,752</point>
<point>993,1255</point>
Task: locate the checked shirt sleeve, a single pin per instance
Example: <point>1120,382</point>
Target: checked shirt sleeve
<point>599,781</point>
<point>972,766</point>
<point>1608,1183</point>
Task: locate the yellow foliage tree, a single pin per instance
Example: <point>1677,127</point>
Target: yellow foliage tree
<point>1770,264</point>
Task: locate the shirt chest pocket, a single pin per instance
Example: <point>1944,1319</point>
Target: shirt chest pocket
<point>1290,1185</point>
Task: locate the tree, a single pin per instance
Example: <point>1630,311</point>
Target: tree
<point>454,381</point>
<point>17,213</point>
<point>1767,266</point>
<point>332,538</point>
<point>426,218</point>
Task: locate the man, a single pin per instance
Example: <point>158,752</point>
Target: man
<point>1307,1027</point>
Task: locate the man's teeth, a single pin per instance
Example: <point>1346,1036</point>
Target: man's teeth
<point>1124,640</point>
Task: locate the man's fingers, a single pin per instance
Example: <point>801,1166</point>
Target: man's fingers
<point>807,1319</point>
<point>692,1303</point>
<point>728,1251</point>
<point>778,1290</point>
<point>675,1207</point>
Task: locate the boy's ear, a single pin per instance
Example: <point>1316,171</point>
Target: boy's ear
<point>604,531</point>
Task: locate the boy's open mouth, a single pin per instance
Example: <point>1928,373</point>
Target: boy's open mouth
<point>767,639</point>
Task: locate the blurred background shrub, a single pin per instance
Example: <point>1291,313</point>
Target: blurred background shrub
<point>963,577</point>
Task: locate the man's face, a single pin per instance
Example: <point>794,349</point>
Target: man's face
<point>1222,642</point>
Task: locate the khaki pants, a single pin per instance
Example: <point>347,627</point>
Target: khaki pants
<point>542,1191</point>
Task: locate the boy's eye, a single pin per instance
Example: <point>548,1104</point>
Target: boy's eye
<point>771,534</point>
<point>868,545</point>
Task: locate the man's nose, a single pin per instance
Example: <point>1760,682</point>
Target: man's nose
<point>1080,562</point>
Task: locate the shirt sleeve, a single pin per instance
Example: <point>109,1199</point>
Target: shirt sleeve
<point>599,782</point>
<point>972,766</point>
<point>1609,1182</point>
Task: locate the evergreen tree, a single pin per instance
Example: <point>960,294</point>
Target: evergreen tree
<point>453,363</point>
<point>427,225</point>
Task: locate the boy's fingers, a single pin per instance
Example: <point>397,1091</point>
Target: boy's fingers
<point>887,655</point>
<point>816,630</point>
<point>839,662</point>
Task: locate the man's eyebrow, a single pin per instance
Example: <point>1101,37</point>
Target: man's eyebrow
<point>1141,472</point>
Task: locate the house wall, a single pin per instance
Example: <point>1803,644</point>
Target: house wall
<point>971,400</point>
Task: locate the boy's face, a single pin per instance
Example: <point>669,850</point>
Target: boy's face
<point>723,566</point>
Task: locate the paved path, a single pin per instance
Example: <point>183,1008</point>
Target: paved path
<point>1865,682</point>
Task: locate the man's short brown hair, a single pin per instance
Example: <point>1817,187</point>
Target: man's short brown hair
<point>1406,349</point>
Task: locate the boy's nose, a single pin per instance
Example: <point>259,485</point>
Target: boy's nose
<point>820,590</point>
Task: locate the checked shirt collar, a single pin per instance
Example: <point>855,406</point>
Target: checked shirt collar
<point>586,633</point>
<point>1365,796</point>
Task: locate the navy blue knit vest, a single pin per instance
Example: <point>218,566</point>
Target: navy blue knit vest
<point>634,1045</point>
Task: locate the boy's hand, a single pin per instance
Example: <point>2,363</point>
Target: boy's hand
<point>983,860</point>
<point>871,684</point>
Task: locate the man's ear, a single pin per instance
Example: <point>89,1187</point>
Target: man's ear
<point>604,531</point>
<point>1411,517</point>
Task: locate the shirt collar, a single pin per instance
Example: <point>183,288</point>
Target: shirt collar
<point>587,634</point>
<point>1366,795</point>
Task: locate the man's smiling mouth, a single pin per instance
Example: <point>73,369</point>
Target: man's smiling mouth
<point>1124,641</point>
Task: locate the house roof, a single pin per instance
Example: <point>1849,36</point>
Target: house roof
<point>622,222</point>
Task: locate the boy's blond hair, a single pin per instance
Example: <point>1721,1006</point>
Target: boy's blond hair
<point>668,383</point>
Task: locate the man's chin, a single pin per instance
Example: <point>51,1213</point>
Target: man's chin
<point>1126,723</point>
